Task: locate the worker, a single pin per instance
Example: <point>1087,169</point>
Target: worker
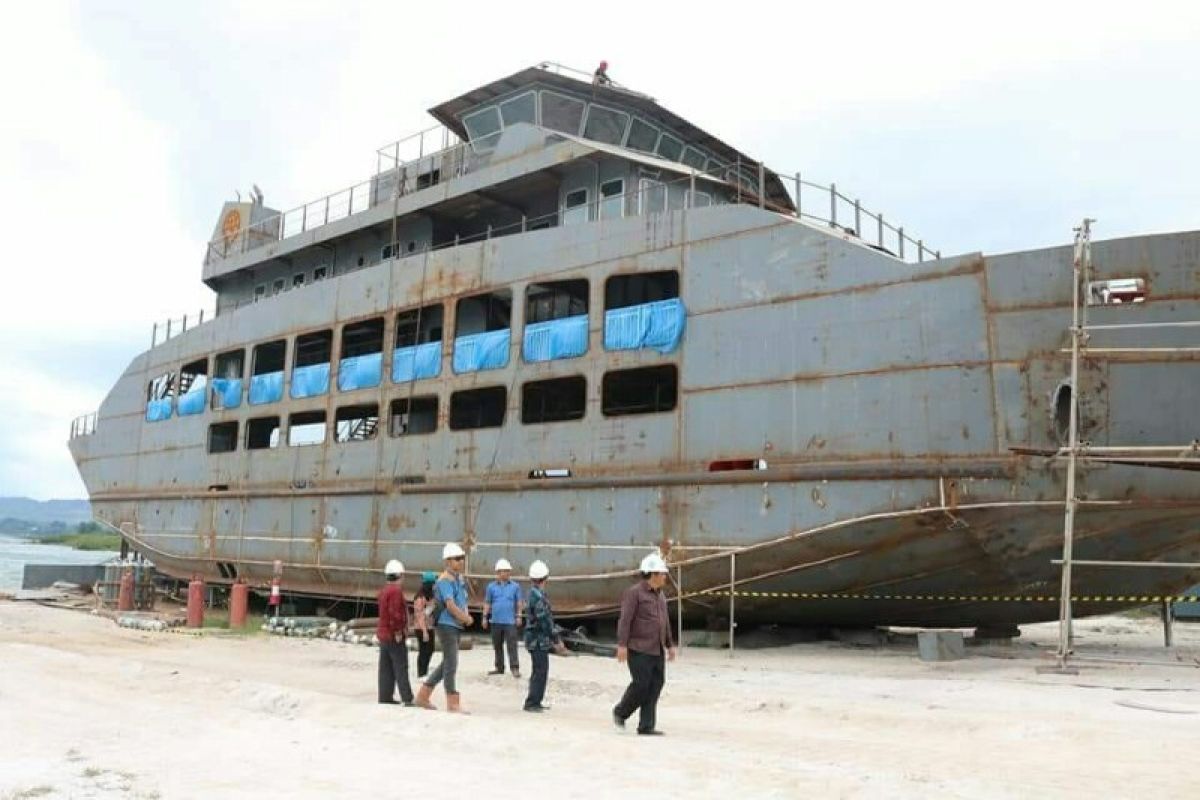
<point>643,639</point>
<point>423,622</point>
<point>541,636</point>
<point>502,610</point>
<point>450,597</point>
<point>600,76</point>
<point>391,632</point>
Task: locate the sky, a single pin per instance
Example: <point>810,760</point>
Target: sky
<point>125,125</point>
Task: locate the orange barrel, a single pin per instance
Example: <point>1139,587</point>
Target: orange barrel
<point>125,595</point>
<point>195,606</point>
<point>239,597</point>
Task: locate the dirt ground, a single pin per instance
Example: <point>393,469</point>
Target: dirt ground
<point>90,710</point>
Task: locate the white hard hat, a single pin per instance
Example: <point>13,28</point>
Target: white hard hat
<point>539,570</point>
<point>393,567</point>
<point>503,564</point>
<point>452,550</point>
<point>654,563</point>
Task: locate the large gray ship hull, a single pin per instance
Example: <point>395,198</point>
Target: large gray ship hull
<point>884,413</point>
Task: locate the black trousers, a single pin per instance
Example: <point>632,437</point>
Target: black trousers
<point>393,672</point>
<point>537,680</point>
<point>424,653</point>
<point>648,674</point>
<point>502,635</point>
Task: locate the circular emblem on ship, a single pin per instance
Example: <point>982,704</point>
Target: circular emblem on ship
<point>231,224</point>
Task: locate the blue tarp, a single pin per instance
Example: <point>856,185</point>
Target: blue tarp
<point>360,372</point>
<point>416,362</point>
<point>158,410</point>
<point>192,402</point>
<point>480,351</point>
<point>310,381</point>
<point>558,338</point>
<point>656,325</point>
<point>229,390</point>
<point>266,388</point>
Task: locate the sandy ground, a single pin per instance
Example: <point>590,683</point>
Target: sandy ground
<point>91,710</point>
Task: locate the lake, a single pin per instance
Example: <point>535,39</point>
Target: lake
<point>16,552</point>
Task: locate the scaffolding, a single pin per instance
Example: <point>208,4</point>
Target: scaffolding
<point>1176,457</point>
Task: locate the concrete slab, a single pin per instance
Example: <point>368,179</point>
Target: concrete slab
<point>940,645</point>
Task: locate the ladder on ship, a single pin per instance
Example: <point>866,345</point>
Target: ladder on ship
<point>1076,451</point>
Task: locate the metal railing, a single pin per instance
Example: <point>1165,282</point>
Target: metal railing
<point>84,425</point>
<point>177,325</point>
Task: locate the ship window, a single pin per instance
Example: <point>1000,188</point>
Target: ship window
<point>297,280</point>
<point>575,207</point>
<point>419,326</point>
<point>699,199</point>
<point>642,136</point>
<point>605,125</point>
<point>1062,413</point>
<point>555,400</point>
<point>478,408</point>
<point>562,113</point>
<point>669,147</point>
<point>222,437</point>
<point>484,312</point>
<point>320,274</point>
<point>363,338</point>
<point>482,124</point>
<point>162,387</point>
<point>646,390</point>
<point>260,292</point>
<point>230,365</point>
<point>622,291</point>
<point>306,428</point>
<point>557,300</point>
<point>612,199</point>
<point>356,423</point>
<point>652,196</point>
<point>522,108</point>
<point>413,416</point>
<point>277,286</point>
<point>1118,291</point>
<point>714,167</point>
<point>314,348</point>
<point>269,357</point>
<point>262,433</point>
<point>693,158</point>
<point>193,376</point>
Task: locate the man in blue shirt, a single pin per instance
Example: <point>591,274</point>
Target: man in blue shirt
<point>450,594</point>
<point>502,604</point>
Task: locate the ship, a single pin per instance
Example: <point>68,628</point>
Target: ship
<point>568,324</point>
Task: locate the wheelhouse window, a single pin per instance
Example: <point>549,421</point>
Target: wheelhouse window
<point>612,199</point>
<point>575,207</point>
<point>478,408</point>
<point>262,433</point>
<point>306,428</point>
<point>522,108</point>
<point>356,423</point>
<point>652,196</point>
<point>557,400</point>
<point>694,158</point>
<point>622,291</point>
<point>562,113</point>
<point>669,147</point>
<point>642,136</point>
<point>222,437</point>
<point>605,124</point>
<point>413,416</point>
<point>483,126</point>
<point>645,390</point>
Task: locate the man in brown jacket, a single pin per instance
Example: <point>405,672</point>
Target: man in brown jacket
<point>644,642</point>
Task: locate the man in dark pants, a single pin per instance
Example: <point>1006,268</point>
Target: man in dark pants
<point>391,631</point>
<point>645,643</point>
<point>540,636</point>
<point>502,610</point>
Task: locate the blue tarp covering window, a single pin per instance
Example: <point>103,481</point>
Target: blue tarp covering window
<point>192,402</point>
<point>229,390</point>
<point>656,325</point>
<point>266,388</point>
<point>558,338</point>
<point>310,381</point>
<point>480,351</point>
<point>360,372</point>
<point>158,410</point>
<point>419,361</point>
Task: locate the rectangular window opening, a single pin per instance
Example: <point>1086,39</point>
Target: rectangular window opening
<point>645,390</point>
<point>269,357</point>
<point>228,371</point>
<point>193,375</point>
<point>652,196</point>
<point>737,464</point>
<point>556,400</point>
<point>222,437</point>
<point>415,416</point>
<point>575,207</point>
<point>362,338</point>
<point>277,286</point>
<point>555,300</point>
<point>484,312</point>
<point>622,291</point>
<point>357,423</point>
<point>478,408</point>
<point>320,274</point>
<point>297,280</point>
<point>419,326</point>
<point>1117,292</point>
<point>262,433</point>
<point>314,348</point>
<point>306,428</point>
<point>260,292</point>
<point>161,388</point>
<point>612,199</point>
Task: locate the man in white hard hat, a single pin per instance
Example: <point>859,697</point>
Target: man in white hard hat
<point>541,636</point>
<point>391,632</point>
<point>502,610</point>
<point>644,642</point>
<point>450,597</point>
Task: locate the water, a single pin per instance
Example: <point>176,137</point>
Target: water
<point>15,553</point>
